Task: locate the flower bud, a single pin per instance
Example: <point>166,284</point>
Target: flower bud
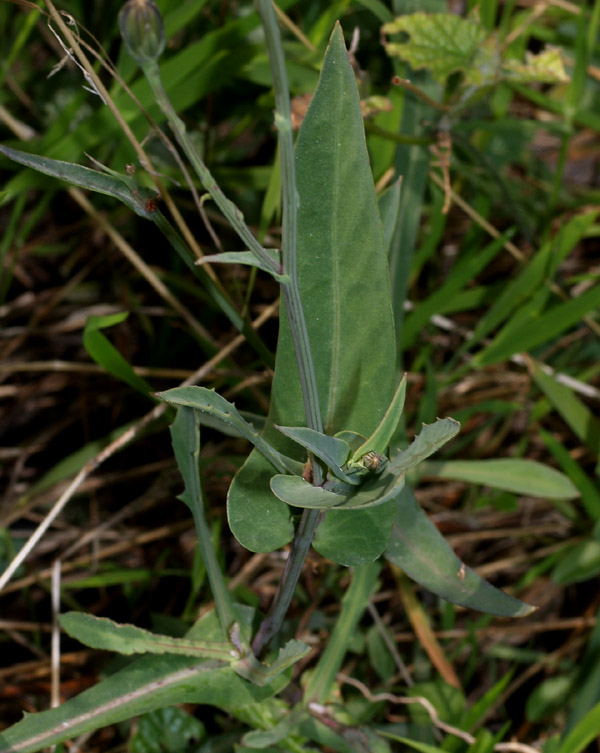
<point>142,30</point>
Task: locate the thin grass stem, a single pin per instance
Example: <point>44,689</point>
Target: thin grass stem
<point>227,207</point>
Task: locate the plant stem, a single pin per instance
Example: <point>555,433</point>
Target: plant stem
<point>271,625</point>
<point>229,209</point>
<point>221,595</point>
<point>290,291</point>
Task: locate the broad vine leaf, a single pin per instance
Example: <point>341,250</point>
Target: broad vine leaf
<point>417,547</point>
<point>431,438</point>
<point>148,683</point>
<point>445,44</point>
<point>344,285</point>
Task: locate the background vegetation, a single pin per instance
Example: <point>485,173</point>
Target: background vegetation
<point>499,258</point>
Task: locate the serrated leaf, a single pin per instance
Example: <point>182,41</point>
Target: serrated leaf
<point>445,43</point>
<point>148,683</point>
<point>417,547</point>
<point>212,404</point>
<point>261,674</point>
<point>544,67</point>
<point>102,633</point>
<point>431,438</point>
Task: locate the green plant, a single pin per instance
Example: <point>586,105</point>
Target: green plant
<point>355,502</point>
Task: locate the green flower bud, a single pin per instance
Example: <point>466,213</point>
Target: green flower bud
<point>142,30</point>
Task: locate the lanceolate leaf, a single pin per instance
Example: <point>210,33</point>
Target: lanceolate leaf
<point>332,451</point>
<point>84,177</point>
<point>417,547</point>
<point>102,633</point>
<point>344,285</point>
<point>210,403</point>
<point>126,190</point>
<point>431,438</point>
<point>106,355</point>
<point>510,474</point>
<point>243,257</point>
<point>148,683</point>
<point>379,440</point>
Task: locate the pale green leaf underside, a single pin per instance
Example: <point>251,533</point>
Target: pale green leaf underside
<point>375,491</point>
<point>355,537</point>
<point>417,547</point>
<point>516,475</point>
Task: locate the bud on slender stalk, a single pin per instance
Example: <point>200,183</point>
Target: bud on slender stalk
<point>142,30</point>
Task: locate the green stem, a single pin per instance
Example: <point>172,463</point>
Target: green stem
<point>229,209</point>
<point>219,590</point>
<point>297,321</point>
<point>271,625</point>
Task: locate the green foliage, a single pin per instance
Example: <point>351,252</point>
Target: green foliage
<point>334,229</point>
<point>445,43</point>
<point>326,468</point>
